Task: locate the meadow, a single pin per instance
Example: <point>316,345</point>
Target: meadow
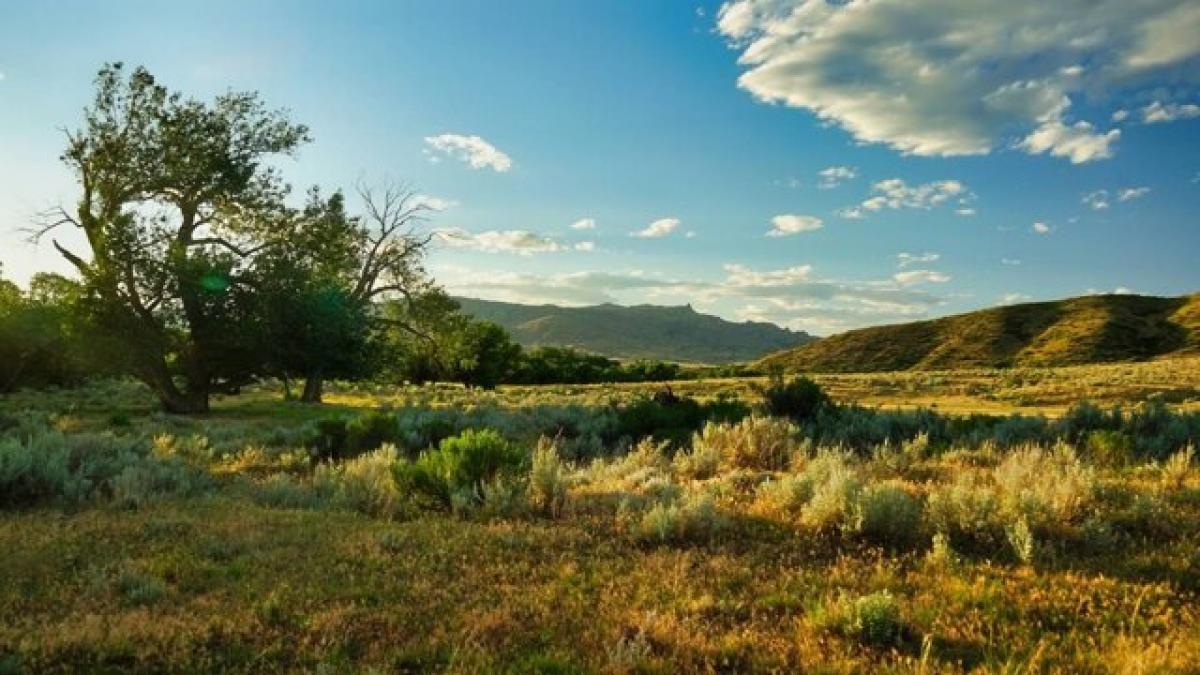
<point>987,521</point>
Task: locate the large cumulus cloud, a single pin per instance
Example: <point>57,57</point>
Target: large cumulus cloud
<point>964,77</point>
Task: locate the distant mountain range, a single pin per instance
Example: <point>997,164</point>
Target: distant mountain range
<point>677,334</point>
<point>1089,329</point>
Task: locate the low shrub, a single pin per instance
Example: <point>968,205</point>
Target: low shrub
<point>875,619</point>
<point>459,467</point>
<point>836,486</point>
<point>364,484</point>
<point>1046,487</point>
<point>692,518</point>
<point>967,512</point>
<point>1109,448</point>
<point>1178,467</point>
<point>548,479</point>
<point>886,514</point>
<point>369,431</point>
<point>754,443</point>
<point>49,467</point>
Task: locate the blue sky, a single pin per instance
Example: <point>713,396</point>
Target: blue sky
<point>1014,151</point>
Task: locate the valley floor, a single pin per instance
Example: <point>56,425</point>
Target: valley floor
<point>220,544</point>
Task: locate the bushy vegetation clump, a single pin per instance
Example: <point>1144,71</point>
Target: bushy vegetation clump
<point>460,467</point>
<point>753,443</point>
<point>799,399</point>
<point>71,469</point>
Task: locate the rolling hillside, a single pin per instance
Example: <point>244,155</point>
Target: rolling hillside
<point>643,331</point>
<point>1089,329</point>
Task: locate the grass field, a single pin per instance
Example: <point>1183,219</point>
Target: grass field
<point>158,543</point>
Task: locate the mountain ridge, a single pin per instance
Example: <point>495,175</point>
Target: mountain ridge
<point>661,332</point>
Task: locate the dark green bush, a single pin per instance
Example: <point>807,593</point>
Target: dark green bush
<point>667,417</point>
<point>329,439</point>
<point>799,399</point>
<point>369,431</point>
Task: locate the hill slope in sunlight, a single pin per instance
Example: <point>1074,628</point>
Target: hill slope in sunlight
<point>638,332</point>
<point>1089,329</point>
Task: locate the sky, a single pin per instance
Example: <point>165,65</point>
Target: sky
<point>821,165</point>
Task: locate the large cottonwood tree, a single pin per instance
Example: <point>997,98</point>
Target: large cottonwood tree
<point>176,199</point>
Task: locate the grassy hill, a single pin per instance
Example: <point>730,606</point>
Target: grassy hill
<point>643,331</point>
<point>1090,329</point>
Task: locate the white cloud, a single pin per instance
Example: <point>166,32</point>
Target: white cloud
<point>1158,112</point>
<point>1097,200</point>
<point>895,193</point>
<point>1014,298</point>
<point>787,224</point>
<point>910,277</point>
<point>1078,141</point>
<point>1123,290</point>
<point>584,224</point>
<point>948,77</point>
<point>521,242</point>
<point>473,150</point>
<point>1120,115</point>
<point>834,176</point>
<point>659,228</point>
<point>1130,193</point>
<point>965,212</point>
<point>905,259</point>
<point>435,203</point>
<point>1040,228</point>
<point>1011,262</point>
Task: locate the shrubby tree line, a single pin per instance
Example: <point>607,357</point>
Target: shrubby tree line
<point>196,277</point>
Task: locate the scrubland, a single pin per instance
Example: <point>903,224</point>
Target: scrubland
<point>1010,528</point>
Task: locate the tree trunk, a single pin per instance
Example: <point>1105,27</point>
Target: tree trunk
<point>193,400</point>
<point>313,387</point>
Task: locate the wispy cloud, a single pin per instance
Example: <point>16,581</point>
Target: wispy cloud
<point>787,224</point>
<point>1096,200</point>
<point>1131,193</point>
<point>657,229</point>
<point>905,259</point>
<point>434,202</point>
<point>1158,112</point>
<point>911,277</point>
<point>895,193</point>
<point>473,150</point>
<point>834,176</point>
<point>520,242</point>
<point>1040,228</point>
<point>584,224</point>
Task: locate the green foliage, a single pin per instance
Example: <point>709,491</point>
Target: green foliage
<point>459,466</point>
<point>875,619</point>
<point>667,417</point>
<point>799,399</point>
